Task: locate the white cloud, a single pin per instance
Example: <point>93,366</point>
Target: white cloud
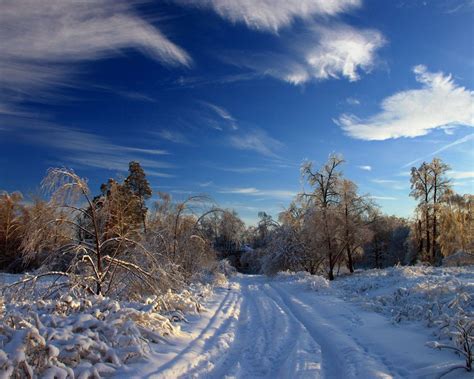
<point>343,51</point>
<point>257,140</point>
<point>251,191</point>
<point>320,53</point>
<point>365,168</point>
<point>271,15</point>
<point>41,42</point>
<point>439,103</point>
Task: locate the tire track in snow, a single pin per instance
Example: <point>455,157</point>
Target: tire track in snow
<point>197,351</point>
<point>342,356</point>
<point>269,341</point>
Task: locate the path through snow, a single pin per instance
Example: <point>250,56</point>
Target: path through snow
<point>258,327</point>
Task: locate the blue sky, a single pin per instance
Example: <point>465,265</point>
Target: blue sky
<point>228,98</point>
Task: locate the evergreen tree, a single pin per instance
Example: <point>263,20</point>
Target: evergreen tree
<point>140,187</point>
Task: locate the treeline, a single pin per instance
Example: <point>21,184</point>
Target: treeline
<point>120,240</point>
<point>333,227</point>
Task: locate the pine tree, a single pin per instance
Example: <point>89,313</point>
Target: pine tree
<point>140,187</point>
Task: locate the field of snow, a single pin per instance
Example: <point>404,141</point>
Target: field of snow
<point>373,324</point>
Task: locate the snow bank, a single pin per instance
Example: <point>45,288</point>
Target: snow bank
<point>439,296</point>
<point>87,337</point>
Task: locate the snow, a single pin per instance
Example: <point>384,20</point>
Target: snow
<point>372,324</point>
<point>299,326</point>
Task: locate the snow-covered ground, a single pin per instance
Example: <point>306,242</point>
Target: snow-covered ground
<point>373,324</point>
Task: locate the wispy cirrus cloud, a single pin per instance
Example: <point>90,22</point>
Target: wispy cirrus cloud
<point>365,167</point>
<point>87,149</point>
<point>439,103</point>
<point>257,140</point>
<point>461,174</point>
<point>353,101</point>
<point>43,41</point>
<point>375,197</point>
<point>244,170</point>
<point>173,136</point>
<point>459,141</point>
<point>272,15</point>
<point>389,183</point>
<point>222,113</point>
<point>252,191</point>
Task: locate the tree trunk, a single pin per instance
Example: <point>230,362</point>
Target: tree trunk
<point>350,264</point>
<point>433,244</point>
<point>427,234</point>
<point>420,240</point>
<point>331,272</point>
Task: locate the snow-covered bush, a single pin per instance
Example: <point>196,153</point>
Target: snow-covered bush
<point>441,298</point>
<point>463,338</point>
<point>85,337</point>
<point>76,338</point>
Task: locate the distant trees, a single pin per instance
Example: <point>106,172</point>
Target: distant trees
<point>388,243</point>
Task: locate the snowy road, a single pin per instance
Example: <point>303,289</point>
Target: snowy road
<point>276,329</point>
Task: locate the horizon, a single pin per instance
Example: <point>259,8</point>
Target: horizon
<point>230,100</point>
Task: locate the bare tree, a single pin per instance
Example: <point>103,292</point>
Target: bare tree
<point>428,184</point>
<point>355,215</point>
<point>325,197</point>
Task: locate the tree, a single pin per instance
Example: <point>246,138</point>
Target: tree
<point>325,197</point>
<point>387,247</point>
<point>94,262</point>
<point>428,184</point>
<point>456,232</point>
<point>11,227</point>
<point>440,185</point>
<point>139,185</point>
<point>421,190</point>
<point>355,215</point>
